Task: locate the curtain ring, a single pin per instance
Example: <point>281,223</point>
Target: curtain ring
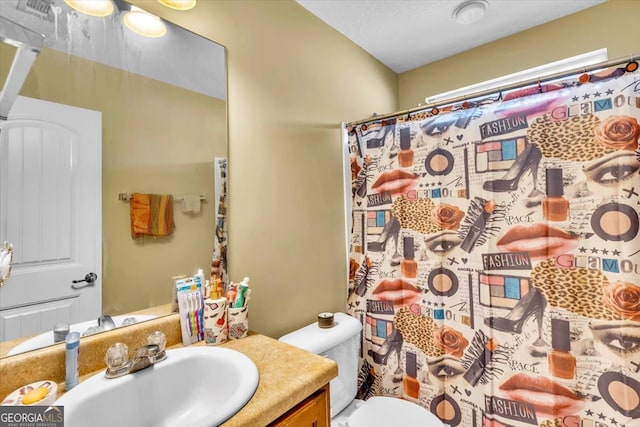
<point>435,110</point>
<point>631,66</point>
<point>584,77</point>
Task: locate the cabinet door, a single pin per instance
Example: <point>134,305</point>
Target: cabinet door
<point>312,412</point>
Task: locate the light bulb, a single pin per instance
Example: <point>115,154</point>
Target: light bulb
<point>144,23</point>
<point>92,7</point>
<point>179,4</point>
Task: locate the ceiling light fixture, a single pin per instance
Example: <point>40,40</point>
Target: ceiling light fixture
<point>179,4</point>
<point>144,23</point>
<point>470,11</point>
<point>99,8</point>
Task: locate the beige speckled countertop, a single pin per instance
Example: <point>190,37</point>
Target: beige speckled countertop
<point>287,374</point>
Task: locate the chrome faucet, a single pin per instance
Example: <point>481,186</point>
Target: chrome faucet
<point>117,357</point>
<point>106,322</point>
<point>144,357</point>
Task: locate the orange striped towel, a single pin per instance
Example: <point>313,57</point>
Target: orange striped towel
<point>151,215</point>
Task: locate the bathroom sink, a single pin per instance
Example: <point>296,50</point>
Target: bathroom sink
<point>193,386</point>
<point>46,339</point>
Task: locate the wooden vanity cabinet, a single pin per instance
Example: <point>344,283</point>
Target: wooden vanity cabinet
<point>314,411</point>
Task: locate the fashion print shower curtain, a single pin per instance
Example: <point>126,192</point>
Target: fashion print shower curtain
<point>495,256</point>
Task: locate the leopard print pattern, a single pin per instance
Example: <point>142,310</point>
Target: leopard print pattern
<point>578,290</point>
<point>552,423</point>
<point>418,330</point>
<point>554,136</point>
<point>415,214</point>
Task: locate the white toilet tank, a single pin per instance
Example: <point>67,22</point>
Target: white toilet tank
<point>341,344</point>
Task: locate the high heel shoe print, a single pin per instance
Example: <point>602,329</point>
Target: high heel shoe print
<point>385,130</point>
<point>392,343</point>
<point>532,304</point>
<point>391,230</point>
<point>529,159</point>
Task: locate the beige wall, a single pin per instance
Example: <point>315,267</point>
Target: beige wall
<point>156,138</point>
<point>292,81</point>
<point>612,25</point>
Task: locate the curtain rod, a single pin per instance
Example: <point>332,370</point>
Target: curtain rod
<point>473,95</point>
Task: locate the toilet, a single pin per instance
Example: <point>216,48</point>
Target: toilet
<point>341,343</point>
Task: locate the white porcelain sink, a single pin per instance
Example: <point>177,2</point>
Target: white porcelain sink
<point>46,338</point>
<point>193,386</point>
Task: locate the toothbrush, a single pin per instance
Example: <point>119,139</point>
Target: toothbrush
<point>198,314</point>
<point>192,308</point>
<point>184,302</point>
<point>190,315</point>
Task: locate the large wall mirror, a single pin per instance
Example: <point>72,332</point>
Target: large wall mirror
<point>160,105</point>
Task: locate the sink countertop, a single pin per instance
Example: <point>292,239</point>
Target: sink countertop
<point>288,374</point>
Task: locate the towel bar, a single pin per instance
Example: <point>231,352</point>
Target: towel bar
<point>125,197</point>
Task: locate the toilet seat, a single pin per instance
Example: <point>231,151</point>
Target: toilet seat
<point>381,411</point>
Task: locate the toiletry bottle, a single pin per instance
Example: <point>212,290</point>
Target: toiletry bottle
<point>555,207</point>
<point>562,364</point>
<point>72,373</point>
<point>405,156</point>
<point>410,382</point>
<point>215,318</point>
<point>409,265</point>
<point>60,331</point>
<point>241,293</point>
<point>231,294</point>
<point>200,275</point>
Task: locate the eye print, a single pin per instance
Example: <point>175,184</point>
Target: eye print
<point>441,244</point>
<point>620,344</point>
<point>618,340</point>
<point>445,367</point>
<point>611,170</point>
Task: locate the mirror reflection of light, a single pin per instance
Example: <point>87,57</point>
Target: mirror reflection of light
<point>92,7</point>
<point>144,23</point>
<point>178,4</point>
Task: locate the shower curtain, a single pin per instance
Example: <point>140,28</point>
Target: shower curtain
<point>495,255</point>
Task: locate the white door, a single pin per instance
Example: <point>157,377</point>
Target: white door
<point>50,210</point>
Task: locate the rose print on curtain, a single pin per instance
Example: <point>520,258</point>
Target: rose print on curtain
<point>495,256</point>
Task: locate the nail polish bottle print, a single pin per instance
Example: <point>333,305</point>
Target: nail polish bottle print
<point>411,384</point>
<point>555,207</point>
<point>409,265</point>
<point>562,364</point>
<point>405,156</point>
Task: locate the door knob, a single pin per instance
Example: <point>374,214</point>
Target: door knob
<point>90,278</point>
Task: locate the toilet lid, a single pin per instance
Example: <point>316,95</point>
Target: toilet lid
<point>390,411</point>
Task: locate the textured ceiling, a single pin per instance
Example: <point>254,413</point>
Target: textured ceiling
<point>406,34</point>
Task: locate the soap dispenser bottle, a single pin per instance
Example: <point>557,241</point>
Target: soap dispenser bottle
<point>72,350</point>
<point>216,329</point>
